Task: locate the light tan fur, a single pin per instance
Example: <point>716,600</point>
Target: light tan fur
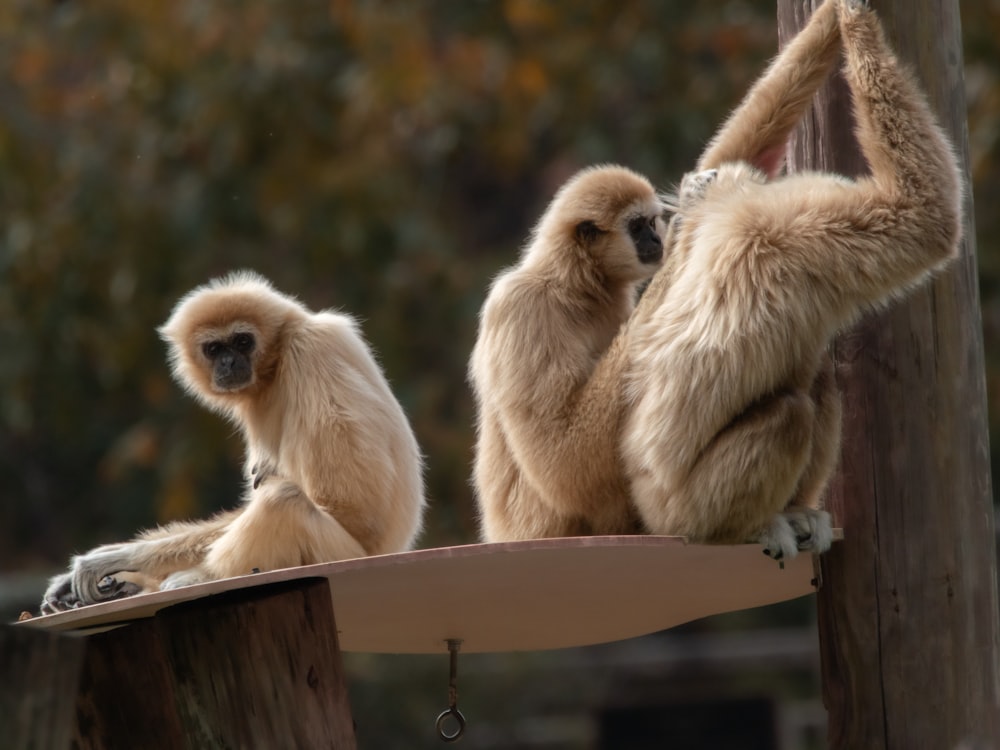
<point>734,414</point>
<point>333,469</point>
<point>715,404</point>
<point>546,369</point>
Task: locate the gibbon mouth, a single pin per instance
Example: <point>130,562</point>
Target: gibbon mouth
<point>231,383</point>
<point>652,255</point>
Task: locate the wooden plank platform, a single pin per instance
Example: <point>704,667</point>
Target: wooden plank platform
<point>515,596</point>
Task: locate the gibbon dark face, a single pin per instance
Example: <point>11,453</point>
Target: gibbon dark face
<point>646,238</point>
<point>232,368</point>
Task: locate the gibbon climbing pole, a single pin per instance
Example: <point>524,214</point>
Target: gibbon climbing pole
<point>908,610</point>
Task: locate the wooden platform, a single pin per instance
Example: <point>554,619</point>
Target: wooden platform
<point>519,596</point>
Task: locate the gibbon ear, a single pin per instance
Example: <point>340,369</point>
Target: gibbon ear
<point>771,160</point>
<point>586,232</point>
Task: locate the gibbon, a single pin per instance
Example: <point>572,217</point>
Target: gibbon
<point>711,411</point>
<point>333,470</point>
<point>546,367</point>
<point>733,414</point>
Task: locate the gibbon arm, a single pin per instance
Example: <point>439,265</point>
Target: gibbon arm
<point>559,411</point>
<point>857,244</point>
<point>155,555</point>
<point>757,131</point>
<point>280,528</point>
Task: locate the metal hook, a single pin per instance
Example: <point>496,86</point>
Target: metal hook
<point>452,710</point>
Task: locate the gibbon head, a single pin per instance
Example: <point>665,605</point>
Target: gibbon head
<point>611,216</point>
<point>226,337</point>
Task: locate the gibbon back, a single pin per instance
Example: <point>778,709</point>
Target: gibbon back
<point>546,365</point>
<point>711,411</point>
<point>734,418</point>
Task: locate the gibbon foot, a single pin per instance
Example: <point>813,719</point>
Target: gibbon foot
<point>59,596</point>
<point>115,587</point>
<point>184,578</point>
<point>812,528</point>
<point>856,6</point>
<point>798,530</point>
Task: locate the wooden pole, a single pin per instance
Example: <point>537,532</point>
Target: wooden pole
<point>39,673</point>
<point>254,668</point>
<point>908,613</point>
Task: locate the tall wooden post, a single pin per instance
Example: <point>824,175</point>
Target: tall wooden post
<point>908,610</point>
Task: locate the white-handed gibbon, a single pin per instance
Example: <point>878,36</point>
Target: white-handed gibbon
<point>546,367</point>
<point>333,469</point>
<point>733,415</point>
<point>714,407</point>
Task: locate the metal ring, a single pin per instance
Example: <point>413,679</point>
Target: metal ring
<point>439,724</point>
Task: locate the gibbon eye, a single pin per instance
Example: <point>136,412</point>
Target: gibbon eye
<point>636,225</point>
<point>211,349</point>
<point>243,342</point>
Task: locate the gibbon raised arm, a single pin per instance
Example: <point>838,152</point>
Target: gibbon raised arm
<point>733,422</point>
<point>333,469</point>
<point>546,367</point>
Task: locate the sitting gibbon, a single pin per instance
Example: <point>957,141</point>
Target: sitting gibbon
<point>333,469</point>
<point>730,418</point>
<point>546,366</point>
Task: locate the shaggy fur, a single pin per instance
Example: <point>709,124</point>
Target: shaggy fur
<point>333,468</point>
<point>546,367</point>
<point>711,411</point>
<point>733,412</point>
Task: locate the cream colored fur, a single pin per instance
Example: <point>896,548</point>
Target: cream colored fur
<point>338,468</point>
<point>733,412</point>
<point>710,411</point>
<point>546,371</point>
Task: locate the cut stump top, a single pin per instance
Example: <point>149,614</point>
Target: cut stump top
<point>508,596</point>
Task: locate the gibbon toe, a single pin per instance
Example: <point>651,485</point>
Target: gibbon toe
<point>812,528</point>
<point>121,584</point>
<point>779,539</point>
<point>59,596</point>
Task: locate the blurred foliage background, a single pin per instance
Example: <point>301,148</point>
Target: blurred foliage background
<point>385,158</point>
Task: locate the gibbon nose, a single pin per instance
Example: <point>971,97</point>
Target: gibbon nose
<point>649,246</point>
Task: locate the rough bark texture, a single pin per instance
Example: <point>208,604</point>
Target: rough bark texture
<point>39,673</point>
<point>908,609</point>
<point>255,668</point>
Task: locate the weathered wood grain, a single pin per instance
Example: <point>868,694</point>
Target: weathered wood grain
<point>908,610</point>
<point>254,668</point>
<point>39,673</point>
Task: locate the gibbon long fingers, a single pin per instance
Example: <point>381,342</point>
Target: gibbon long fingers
<point>154,555</point>
<point>791,532</point>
